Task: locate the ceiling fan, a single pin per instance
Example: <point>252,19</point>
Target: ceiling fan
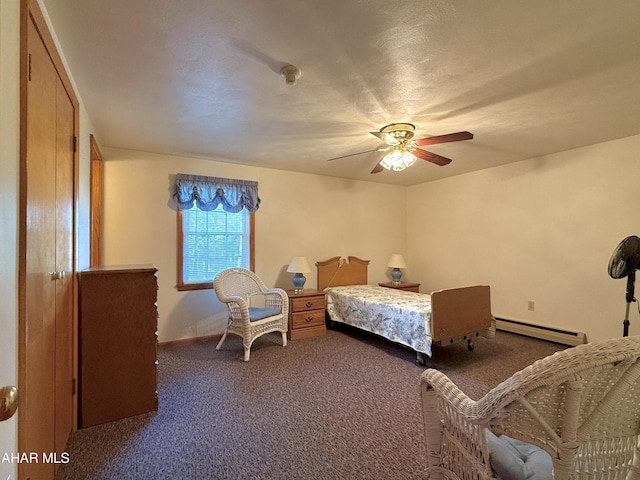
<point>403,151</point>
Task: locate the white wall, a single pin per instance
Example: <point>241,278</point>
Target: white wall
<point>306,215</point>
<point>9,162</point>
<point>540,230</point>
<point>83,206</point>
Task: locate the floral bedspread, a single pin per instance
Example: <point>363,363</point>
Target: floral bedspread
<point>396,315</point>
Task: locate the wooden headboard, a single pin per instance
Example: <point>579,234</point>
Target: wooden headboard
<point>337,271</point>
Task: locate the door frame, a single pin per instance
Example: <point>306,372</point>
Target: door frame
<point>96,203</point>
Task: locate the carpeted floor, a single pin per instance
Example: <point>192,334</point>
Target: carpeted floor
<point>341,406</point>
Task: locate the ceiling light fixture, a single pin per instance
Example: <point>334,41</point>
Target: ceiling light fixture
<point>398,136</point>
<point>398,133</point>
<point>398,159</point>
<point>290,73</point>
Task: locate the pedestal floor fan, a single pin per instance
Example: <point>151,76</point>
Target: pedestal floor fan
<point>623,263</point>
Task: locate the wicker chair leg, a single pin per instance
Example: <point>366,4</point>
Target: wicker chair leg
<point>247,353</point>
<point>284,339</point>
<point>224,336</point>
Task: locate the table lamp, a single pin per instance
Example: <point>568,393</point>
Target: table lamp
<point>396,262</point>
<point>299,266</point>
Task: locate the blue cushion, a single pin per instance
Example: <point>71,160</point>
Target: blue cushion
<point>256,313</point>
<point>512,459</point>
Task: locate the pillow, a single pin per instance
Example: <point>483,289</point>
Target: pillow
<point>257,313</point>
<point>513,459</point>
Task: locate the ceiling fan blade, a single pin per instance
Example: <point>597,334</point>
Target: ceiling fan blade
<point>380,135</point>
<point>431,157</point>
<point>378,168</point>
<point>353,154</point>
<point>449,137</point>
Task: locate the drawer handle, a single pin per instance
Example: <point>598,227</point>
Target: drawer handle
<point>308,304</point>
<point>308,319</point>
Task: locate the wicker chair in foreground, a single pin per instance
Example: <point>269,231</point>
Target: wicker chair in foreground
<point>574,414</point>
<point>254,310</point>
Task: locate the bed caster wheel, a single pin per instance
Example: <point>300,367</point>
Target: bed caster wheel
<point>420,360</point>
<point>470,345</point>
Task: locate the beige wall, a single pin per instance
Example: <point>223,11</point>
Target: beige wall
<point>308,215</point>
<point>540,230</point>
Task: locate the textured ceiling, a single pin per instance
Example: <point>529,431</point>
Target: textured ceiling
<point>201,78</point>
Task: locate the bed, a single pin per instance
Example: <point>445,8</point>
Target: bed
<point>415,320</point>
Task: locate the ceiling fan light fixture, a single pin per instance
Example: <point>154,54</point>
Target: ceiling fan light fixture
<point>408,158</point>
<point>404,151</point>
<point>397,133</point>
<point>398,160</point>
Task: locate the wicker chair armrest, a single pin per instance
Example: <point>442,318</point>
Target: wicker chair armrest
<point>235,299</point>
<point>277,291</point>
<point>447,408</point>
<point>238,307</point>
<point>273,297</point>
<point>449,392</point>
<point>476,411</point>
<point>277,297</point>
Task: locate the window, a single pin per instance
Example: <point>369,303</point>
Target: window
<point>215,227</point>
<point>209,242</point>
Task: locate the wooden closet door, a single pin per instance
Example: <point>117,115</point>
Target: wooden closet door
<point>64,263</point>
<point>46,260</point>
<point>37,391</point>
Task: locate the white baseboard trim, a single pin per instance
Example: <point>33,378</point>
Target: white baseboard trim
<point>552,334</point>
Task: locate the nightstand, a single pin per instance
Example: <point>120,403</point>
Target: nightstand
<point>406,286</point>
<point>306,314</point>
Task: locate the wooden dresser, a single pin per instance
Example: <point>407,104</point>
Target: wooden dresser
<point>117,343</point>
<point>406,286</point>
<point>306,314</point>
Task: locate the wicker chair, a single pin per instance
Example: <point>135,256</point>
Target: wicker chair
<point>581,406</point>
<point>254,310</point>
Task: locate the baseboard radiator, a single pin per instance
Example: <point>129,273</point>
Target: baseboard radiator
<point>564,337</point>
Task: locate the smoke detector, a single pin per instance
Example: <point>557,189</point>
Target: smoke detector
<point>290,73</point>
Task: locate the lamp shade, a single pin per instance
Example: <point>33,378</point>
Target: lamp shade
<point>396,261</point>
<point>299,265</point>
<point>398,160</point>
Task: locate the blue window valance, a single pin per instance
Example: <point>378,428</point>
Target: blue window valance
<point>206,193</point>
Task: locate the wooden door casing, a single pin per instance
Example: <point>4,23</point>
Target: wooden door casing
<point>96,203</point>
